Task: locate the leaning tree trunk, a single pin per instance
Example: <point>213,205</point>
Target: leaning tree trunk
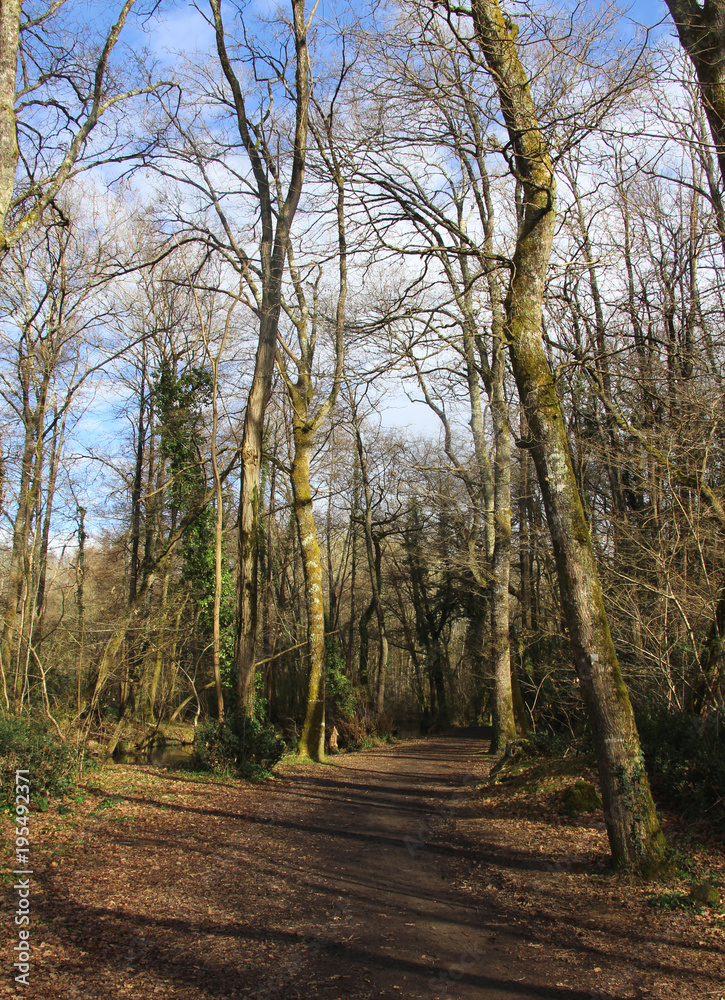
<point>632,825</point>
<point>312,741</point>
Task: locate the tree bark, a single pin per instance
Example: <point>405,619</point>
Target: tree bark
<point>312,740</point>
<point>701,29</point>
<point>634,832</point>
<point>9,34</point>
<point>504,720</point>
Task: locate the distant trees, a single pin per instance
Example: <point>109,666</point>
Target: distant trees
<point>52,316</point>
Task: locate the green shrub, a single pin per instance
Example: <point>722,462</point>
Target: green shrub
<point>244,745</point>
<point>685,758</point>
<point>346,707</point>
<point>35,745</point>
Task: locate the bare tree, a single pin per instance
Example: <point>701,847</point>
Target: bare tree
<point>37,76</point>
<point>309,323</point>
<point>50,334</point>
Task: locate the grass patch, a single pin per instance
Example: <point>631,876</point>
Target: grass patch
<point>107,803</point>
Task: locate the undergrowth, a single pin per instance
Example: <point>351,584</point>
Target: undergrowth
<point>685,758</point>
<point>33,744</point>
<point>241,744</point>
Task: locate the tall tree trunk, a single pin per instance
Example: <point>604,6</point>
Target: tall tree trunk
<point>218,544</point>
<point>56,450</point>
<point>136,492</point>
<point>312,740</point>
<point>374,554</point>
<point>524,539</point>
<point>244,654</point>
<point>353,575</point>
<point>160,641</point>
<point>19,576</point>
<point>276,222</point>
<point>304,426</point>
<point>80,603</point>
<point>634,832</point>
<point>503,714</point>
<point>363,659</point>
<point>9,33</point>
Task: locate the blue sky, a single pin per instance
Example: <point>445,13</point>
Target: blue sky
<point>180,27</point>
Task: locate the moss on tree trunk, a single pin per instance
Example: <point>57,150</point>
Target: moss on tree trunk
<point>312,741</point>
<point>634,832</point>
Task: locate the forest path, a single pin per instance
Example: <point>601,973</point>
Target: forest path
<point>377,875</point>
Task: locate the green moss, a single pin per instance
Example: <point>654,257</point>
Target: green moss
<point>581,797</point>
<point>705,894</point>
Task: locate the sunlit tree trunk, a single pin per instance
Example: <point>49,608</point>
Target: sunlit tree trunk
<point>634,832</point>
<point>276,223</point>
<point>504,720</point>
<point>9,32</point>
<point>312,740</point>
<point>306,421</point>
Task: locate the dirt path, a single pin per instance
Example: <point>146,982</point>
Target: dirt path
<point>379,875</point>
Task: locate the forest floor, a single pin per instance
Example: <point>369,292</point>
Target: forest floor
<point>385,873</point>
